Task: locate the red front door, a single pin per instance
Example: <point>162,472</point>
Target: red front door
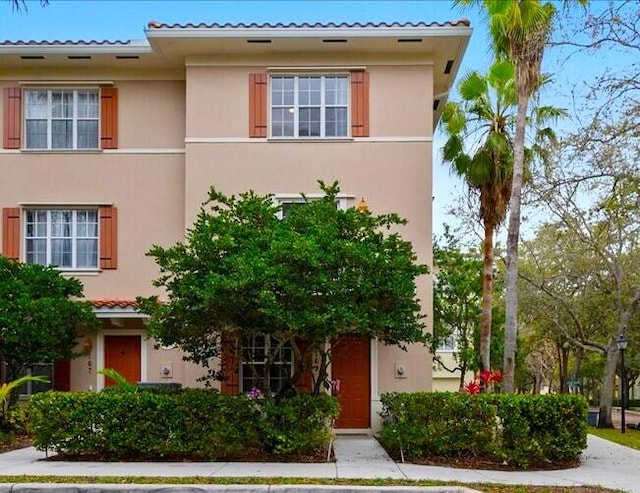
<point>122,353</point>
<point>351,364</point>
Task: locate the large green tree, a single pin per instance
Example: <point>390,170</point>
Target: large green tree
<point>41,317</point>
<point>519,31</point>
<point>304,280</point>
<point>587,262</point>
<point>479,147</point>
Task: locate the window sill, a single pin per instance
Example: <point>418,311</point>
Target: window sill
<point>80,272</point>
<point>61,151</point>
<point>307,139</point>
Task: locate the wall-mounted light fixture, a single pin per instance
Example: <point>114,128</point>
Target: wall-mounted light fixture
<point>362,206</point>
<point>87,346</point>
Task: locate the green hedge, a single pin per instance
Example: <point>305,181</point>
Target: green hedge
<point>523,430</point>
<point>632,403</point>
<point>189,424</point>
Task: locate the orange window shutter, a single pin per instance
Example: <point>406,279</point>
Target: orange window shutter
<point>230,384</point>
<point>359,104</point>
<point>108,238</point>
<point>11,232</point>
<point>108,117</point>
<point>257,105</point>
<point>12,118</point>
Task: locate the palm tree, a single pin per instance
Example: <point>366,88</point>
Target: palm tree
<point>519,32</point>
<point>18,5</point>
<point>485,122</point>
<point>484,115</point>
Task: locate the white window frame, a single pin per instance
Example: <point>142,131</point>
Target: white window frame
<point>275,364</point>
<point>75,118</point>
<point>74,236</point>
<point>453,348</point>
<point>296,198</point>
<point>30,384</point>
<point>296,106</point>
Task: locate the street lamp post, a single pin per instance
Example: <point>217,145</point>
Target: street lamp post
<point>622,345</point>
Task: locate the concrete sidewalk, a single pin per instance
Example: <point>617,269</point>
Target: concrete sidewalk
<point>604,463</point>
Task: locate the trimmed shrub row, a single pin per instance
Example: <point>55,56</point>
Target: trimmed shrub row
<point>523,430</point>
<point>187,424</point>
<point>632,403</point>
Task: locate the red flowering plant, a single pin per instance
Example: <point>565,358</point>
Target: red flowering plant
<point>484,378</point>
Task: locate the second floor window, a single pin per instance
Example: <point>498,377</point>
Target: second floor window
<point>67,239</point>
<point>61,118</point>
<point>309,106</point>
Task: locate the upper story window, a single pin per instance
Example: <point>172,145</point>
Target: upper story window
<point>309,106</point>
<point>64,238</point>
<point>61,118</point>
<point>289,201</point>
<point>449,344</point>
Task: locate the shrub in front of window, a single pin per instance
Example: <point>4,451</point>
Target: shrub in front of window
<point>40,317</point>
<point>267,292</point>
<point>180,424</point>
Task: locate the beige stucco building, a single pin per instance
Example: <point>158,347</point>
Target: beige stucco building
<point>110,147</point>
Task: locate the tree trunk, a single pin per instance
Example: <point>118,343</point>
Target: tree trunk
<point>511,318</point>
<point>609,375</point>
<point>463,372</point>
<point>608,382</point>
<point>487,296</point>
<point>563,361</point>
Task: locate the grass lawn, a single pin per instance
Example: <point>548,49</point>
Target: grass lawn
<point>488,488</point>
<point>630,439</point>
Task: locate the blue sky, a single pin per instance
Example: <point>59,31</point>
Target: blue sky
<point>103,19</point>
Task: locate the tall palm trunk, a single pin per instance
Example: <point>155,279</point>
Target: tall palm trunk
<point>511,315</point>
<point>487,297</point>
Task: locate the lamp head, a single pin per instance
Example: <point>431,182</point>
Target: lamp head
<point>622,343</point>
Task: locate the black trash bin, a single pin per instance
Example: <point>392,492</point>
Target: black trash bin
<point>592,418</point>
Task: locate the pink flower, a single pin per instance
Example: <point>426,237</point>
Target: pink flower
<point>255,393</point>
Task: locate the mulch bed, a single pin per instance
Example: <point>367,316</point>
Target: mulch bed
<point>17,443</point>
<point>304,458</point>
<point>478,464</point>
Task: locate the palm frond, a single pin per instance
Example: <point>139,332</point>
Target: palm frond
<point>453,118</point>
<point>8,387</point>
<point>120,381</point>
<point>473,86</point>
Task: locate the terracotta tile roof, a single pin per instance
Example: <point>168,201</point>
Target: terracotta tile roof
<point>107,303</point>
<point>68,42</point>
<point>306,25</point>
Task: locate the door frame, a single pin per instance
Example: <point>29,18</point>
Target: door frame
<point>100,348</point>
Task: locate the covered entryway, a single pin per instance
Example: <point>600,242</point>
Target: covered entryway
<point>123,354</point>
<point>351,364</point>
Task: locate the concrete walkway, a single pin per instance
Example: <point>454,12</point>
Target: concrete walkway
<point>604,463</point>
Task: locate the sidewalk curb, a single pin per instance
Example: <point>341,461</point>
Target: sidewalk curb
<point>159,488</point>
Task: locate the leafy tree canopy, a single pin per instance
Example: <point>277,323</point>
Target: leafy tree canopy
<point>457,295</point>
<point>40,315</point>
<point>316,274</point>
